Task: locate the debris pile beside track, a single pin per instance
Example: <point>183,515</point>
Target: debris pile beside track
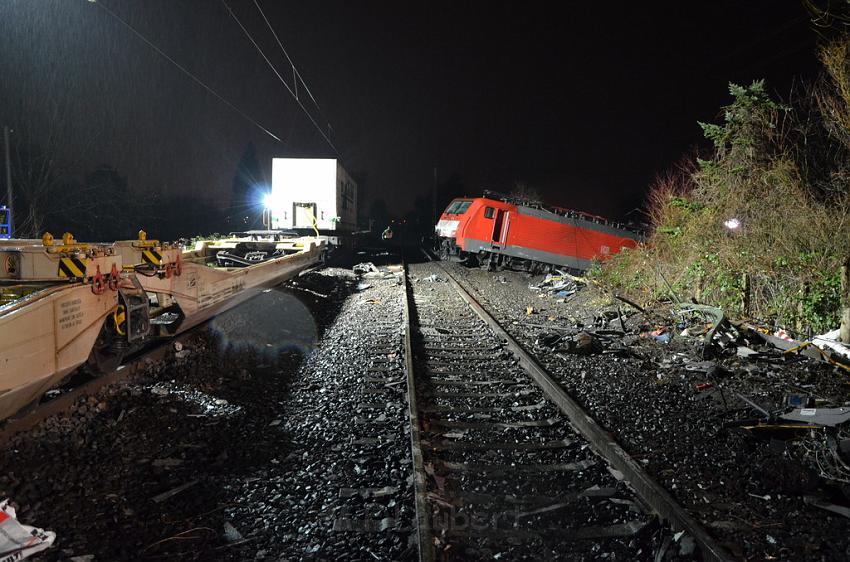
<point>700,401</point>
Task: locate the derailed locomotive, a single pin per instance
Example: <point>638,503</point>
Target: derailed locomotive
<point>504,231</point>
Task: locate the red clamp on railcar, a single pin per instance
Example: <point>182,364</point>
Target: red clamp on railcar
<point>505,231</point>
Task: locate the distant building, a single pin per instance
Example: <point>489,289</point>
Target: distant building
<point>312,190</point>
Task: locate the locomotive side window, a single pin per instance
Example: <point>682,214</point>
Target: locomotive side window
<point>488,212</point>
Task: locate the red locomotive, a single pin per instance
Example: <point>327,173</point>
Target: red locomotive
<point>511,232</point>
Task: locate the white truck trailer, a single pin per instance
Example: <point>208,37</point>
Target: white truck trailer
<point>310,193</point>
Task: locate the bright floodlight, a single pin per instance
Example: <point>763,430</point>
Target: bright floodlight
<point>732,224</point>
<point>268,201</point>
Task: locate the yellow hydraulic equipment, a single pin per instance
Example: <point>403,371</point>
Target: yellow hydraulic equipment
<point>313,222</point>
<point>119,317</point>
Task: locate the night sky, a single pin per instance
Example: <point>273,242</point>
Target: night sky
<point>585,103</point>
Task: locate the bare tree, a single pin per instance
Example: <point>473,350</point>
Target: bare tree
<point>42,173</point>
<point>522,190</point>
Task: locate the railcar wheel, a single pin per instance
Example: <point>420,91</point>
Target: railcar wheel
<point>107,359</point>
<point>495,263</point>
<point>445,251</point>
<point>470,260</point>
<point>109,348</point>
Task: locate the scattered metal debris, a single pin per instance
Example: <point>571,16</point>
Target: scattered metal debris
<point>365,267</point>
<point>819,503</point>
<point>829,417</point>
<point>231,535</point>
<point>561,284</point>
<point>159,498</point>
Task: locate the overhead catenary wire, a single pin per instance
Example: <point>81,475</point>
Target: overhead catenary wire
<point>188,73</point>
<point>288,58</point>
<point>282,81</point>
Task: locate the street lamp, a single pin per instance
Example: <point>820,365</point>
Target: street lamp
<point>732,224</point>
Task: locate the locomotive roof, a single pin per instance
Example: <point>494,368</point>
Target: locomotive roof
<point>561,211</point>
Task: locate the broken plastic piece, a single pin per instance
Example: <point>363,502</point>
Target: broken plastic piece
<point>230,533</point>
<point>829,417</point>
<point>831,341</point>
<point>366,267</point>
<point>757,408</point>
<point>562,285</point>
<point>19,541</point>
<point>368,492</point>
<point>711,312</point>
<point>744,351</point>
<point>363,525</point>
<point>159,498</point>
<point>810,349</point>
<point>834,508</point>
<point>799,401</point>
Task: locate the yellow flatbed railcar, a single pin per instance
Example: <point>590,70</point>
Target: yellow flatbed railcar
<point>65,303</point>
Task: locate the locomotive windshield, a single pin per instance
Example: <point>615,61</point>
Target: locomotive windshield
<point>458,207</point>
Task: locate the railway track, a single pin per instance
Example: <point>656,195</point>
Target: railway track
<point>506,465</point>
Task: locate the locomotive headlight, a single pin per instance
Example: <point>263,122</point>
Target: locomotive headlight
<point>268,201</point>
<point>447,228</point>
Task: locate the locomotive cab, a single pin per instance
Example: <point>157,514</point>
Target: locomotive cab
<point>450,219</point>
<point>447,227</point>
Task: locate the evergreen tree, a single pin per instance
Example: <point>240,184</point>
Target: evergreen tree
<point>246,198</point>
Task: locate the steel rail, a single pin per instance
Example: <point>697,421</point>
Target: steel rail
<point>601,440</point>
<point>32,416</point>
<point>425,540</point>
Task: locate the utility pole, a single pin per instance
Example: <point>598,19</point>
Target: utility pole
<point>434,216</point>
<point>8,181</point>
<point>844,334</point>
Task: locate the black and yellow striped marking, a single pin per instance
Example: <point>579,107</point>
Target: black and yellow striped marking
<point>72,267</point>
<point>152,257</point>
